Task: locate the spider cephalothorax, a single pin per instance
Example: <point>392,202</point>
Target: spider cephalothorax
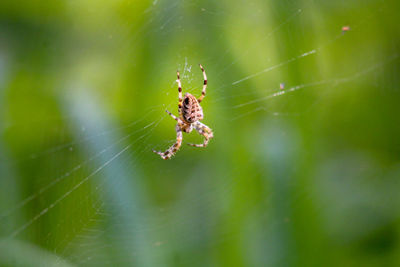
<point>190,114</point>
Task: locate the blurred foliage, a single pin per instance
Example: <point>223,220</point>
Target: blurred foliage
<point>305,176</point>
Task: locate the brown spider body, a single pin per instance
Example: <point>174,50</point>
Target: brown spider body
<point>190,114</point>
<point>191,109</point>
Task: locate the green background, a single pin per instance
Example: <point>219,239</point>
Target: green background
<point>305,176</point>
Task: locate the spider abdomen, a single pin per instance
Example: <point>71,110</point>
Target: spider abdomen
<point>191,109</point>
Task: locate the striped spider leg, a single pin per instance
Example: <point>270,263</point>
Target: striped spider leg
<point>203,92</point>
<point>205,131</point>
<point>175,147</point>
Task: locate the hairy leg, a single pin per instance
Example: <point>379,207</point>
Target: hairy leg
<point>172,115</point>
<point>174,148</point>
<point>203,93</point>
<point>205,131</point>
<point>179,92</point>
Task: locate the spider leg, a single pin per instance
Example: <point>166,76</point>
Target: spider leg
<point>204,131</point>
<point>174,148</point>
<point>203,93</point>
<point>172,115</point>
<point>179,92</point>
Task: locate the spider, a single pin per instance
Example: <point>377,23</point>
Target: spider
<point>190,114</point>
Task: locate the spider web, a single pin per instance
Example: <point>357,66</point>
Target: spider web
<point>80,185</point>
